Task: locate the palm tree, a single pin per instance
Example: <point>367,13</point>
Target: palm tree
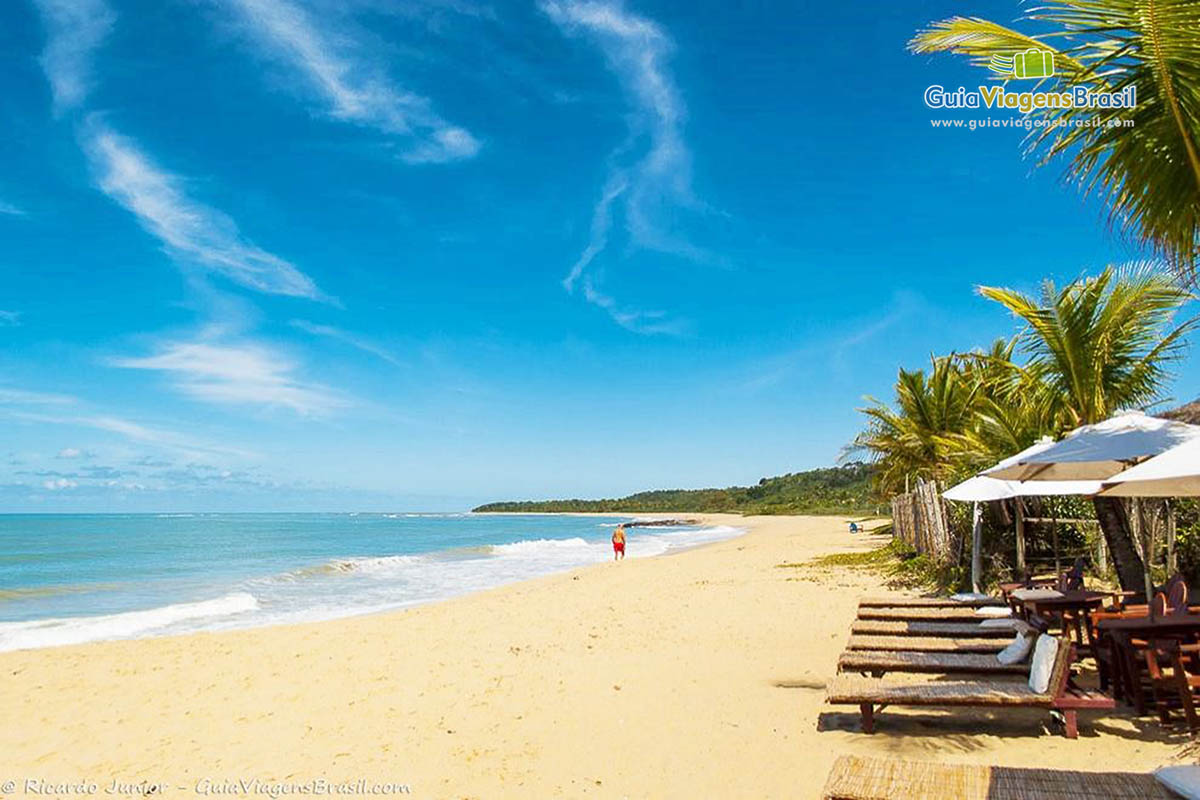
<point>1149,173</point>
<point>1097,346</point>
<point>928,433</point>
<point>1012,412</point>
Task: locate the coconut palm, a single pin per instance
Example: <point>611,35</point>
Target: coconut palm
<point>929,431</point>
<point>1101,344</point>
<point>1097,346</point>
<point>1149,173</point>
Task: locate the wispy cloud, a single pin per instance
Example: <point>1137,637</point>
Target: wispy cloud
<point>11,210</point>
<point>189,230</point>
<point>352,339</point>
<point>243,373</point>
<point>10,319</point>
<point>74,29</point>
<point>354,89</point>
<point>632,319</point>
<point>650,173</point>
<point>134,431</point>
<point>21,397</point>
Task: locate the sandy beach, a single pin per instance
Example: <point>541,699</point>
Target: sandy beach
<point>696,674</point>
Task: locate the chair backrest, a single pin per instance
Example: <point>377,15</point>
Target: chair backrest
<point>1072,580</point>
<point>1177,595</point>
<point>1062,667</point>
<point>1158,606</point>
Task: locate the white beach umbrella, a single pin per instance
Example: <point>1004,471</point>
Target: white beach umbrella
<point>1096,452</point>
<point>1175,473</point>
<point>982,489</point>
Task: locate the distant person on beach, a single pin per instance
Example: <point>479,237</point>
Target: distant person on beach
<point>854,527</point>
<point>619,543</point>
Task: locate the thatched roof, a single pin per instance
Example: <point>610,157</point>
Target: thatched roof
<point>1189,413</point>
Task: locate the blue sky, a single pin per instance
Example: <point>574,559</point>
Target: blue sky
<point>380,254</point>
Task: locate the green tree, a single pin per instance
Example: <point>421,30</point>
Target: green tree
<point>928,432</point>
<point>1097,346</point>
<point>1149,174</point>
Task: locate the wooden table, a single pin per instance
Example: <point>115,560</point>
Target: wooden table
<point>1123,631</point>
<point>1078,605</point>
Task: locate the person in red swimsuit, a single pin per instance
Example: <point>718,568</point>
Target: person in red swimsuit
<point>619,543</point>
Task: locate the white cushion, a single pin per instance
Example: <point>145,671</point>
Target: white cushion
<point>1037,594</point>
<point>1001,622</point>
<point>969,597</point>
<point>1183,780</point>
<point>993,611</point>
<point>1017,649</point>
<point>1042,664</point>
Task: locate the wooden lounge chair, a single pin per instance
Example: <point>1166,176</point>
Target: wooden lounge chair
<point>856,778</point>
<point>872,694</point>
<point>883,627</point>
<point>926,644</point>
<point>919,614</point>
<point>926,602</point>
<point>879,662</point>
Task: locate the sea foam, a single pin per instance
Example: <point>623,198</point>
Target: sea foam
<point>75,630</point>
<point>341,586</point>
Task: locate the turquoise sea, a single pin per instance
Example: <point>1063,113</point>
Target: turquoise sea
<point>66,579</point>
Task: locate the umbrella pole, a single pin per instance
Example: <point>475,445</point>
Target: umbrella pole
<point>1019,516</point>
<point>976,548</point>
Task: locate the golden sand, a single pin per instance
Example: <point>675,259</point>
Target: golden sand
<point>699,674</point>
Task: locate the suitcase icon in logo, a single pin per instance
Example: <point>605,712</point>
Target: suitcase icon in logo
<point>1033,63</point>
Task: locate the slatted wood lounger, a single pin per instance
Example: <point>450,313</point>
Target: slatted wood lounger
<point>880,662</point>
<point>926,644</point>
<point>885,627</point>
<point>872,694</point>
<point>919,614</point>
<point>855,778</point>
<point>926,602</point>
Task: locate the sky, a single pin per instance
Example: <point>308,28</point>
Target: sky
<point>421,254</point>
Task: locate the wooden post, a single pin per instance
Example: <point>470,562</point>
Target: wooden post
<point>1172,566</point>
<point>1019,514</point>
<point>1054,537</point>
<point>1151,528</point>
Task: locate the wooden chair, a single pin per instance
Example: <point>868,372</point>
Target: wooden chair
<point>1124,676</point>
<point>1172,664</point>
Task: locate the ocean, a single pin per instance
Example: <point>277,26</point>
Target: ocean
<point>67,579</point>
